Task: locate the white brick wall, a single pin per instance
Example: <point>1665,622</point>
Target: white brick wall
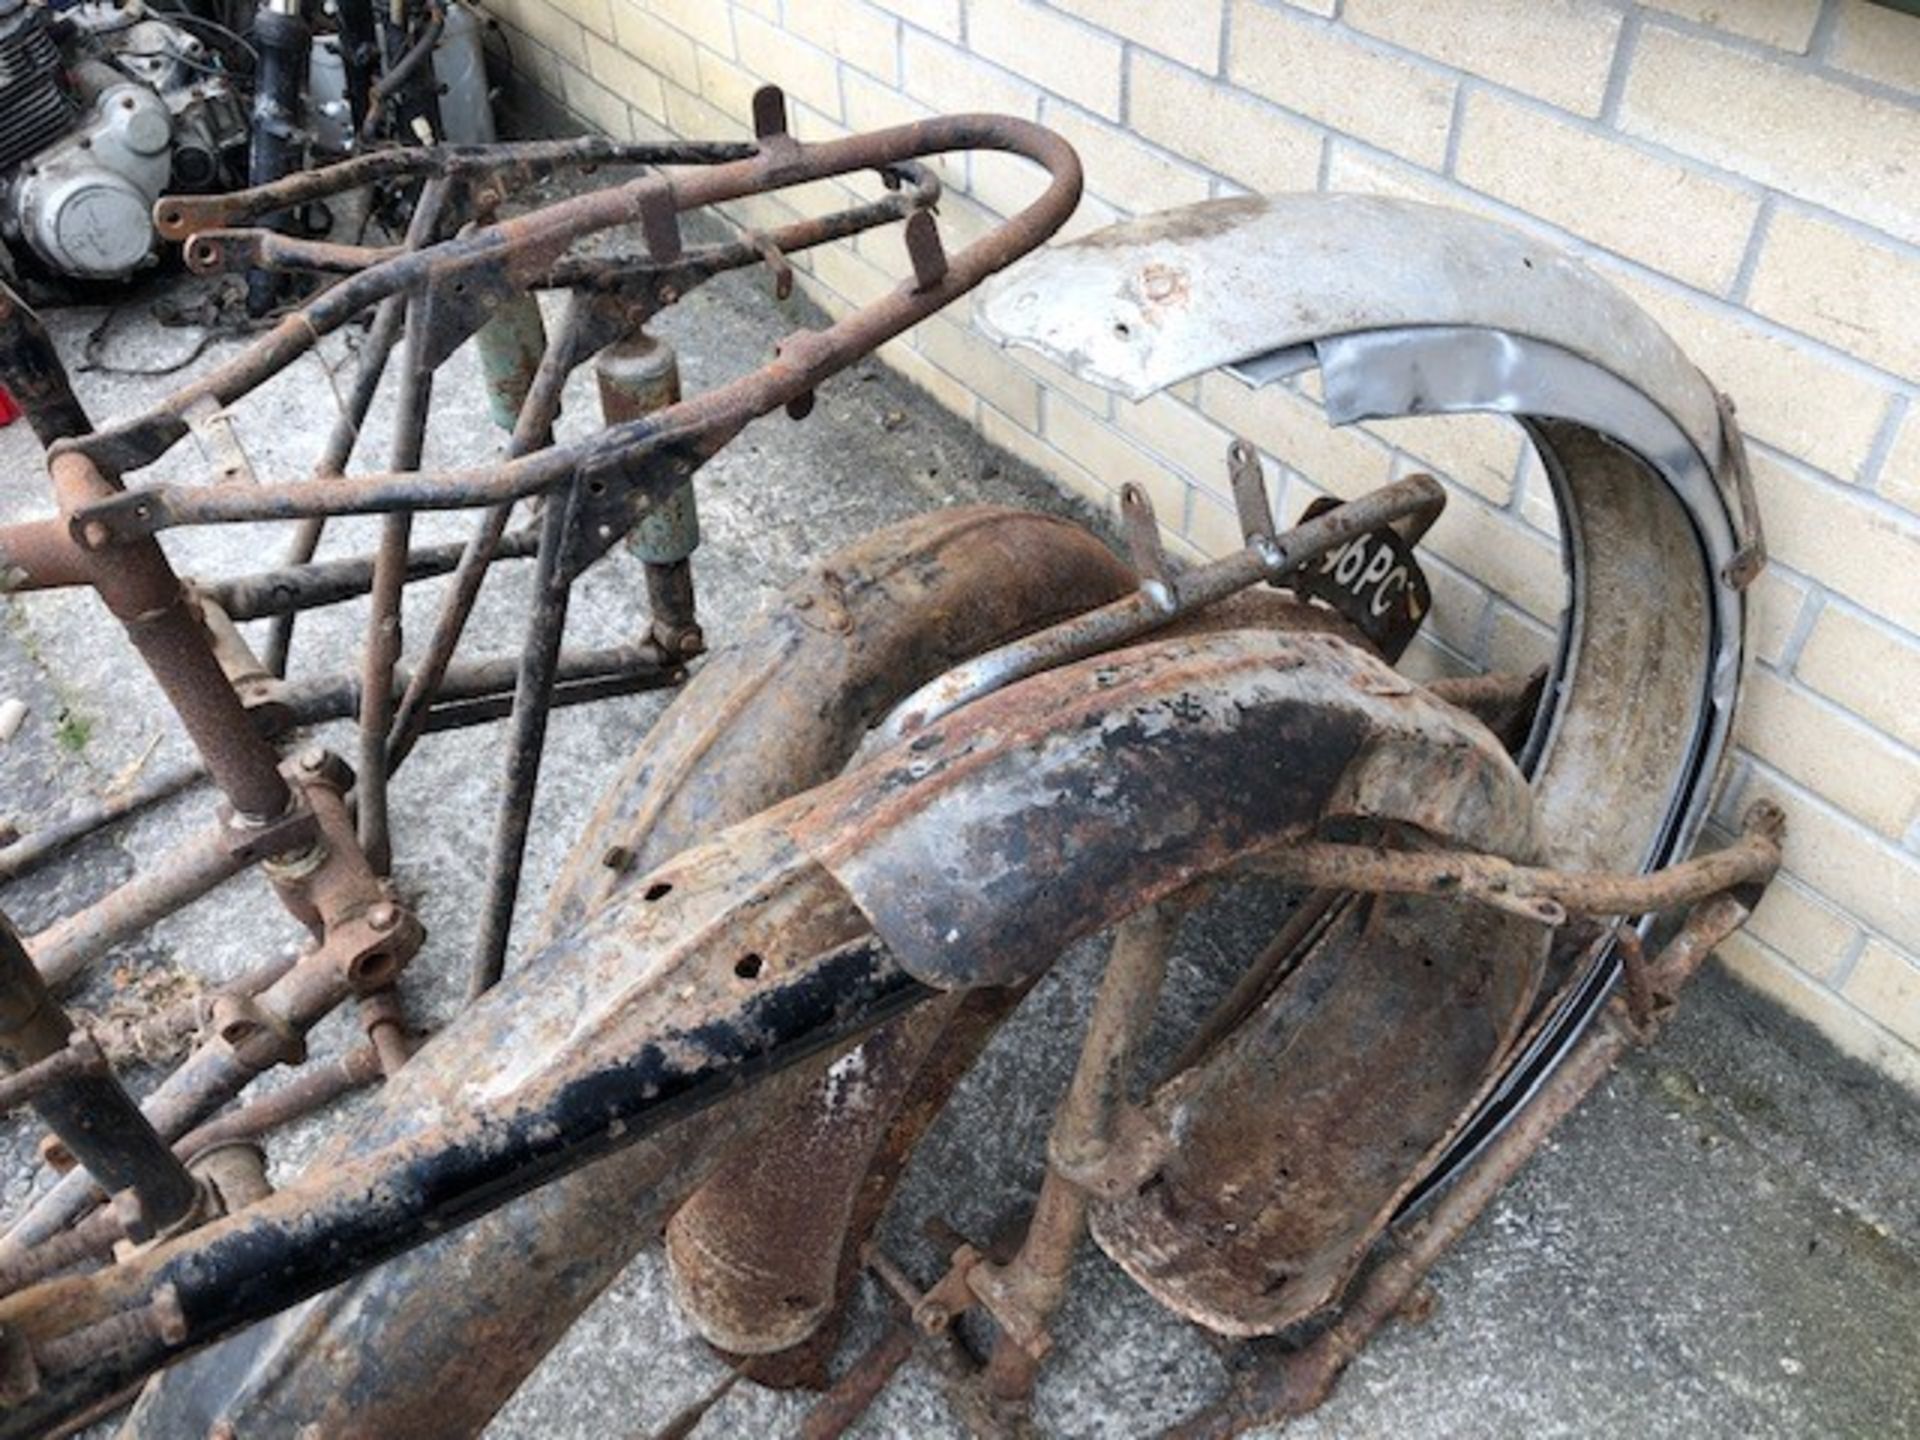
<point>1749,170</point>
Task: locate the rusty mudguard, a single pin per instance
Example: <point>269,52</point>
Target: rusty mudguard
<point>1120,779</point>
<point>776,712</point>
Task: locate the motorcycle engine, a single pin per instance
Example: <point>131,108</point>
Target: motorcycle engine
<point>103,107</point>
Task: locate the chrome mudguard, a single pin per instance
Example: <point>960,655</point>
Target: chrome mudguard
<point>1408,309</point>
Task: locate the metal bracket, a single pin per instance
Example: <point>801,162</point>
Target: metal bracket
<point>660,223</point>
<point>294,830</point>
<point>212,425</point>
<point>1248,479</point>
<point>1144,550</point>
<point>776,261</point>
<point>769,113</point>
<point>924,249</point>
<point>608,498</point>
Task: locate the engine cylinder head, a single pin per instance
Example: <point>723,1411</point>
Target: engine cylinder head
<point>35,108</point>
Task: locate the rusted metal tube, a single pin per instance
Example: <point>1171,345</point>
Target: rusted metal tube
<point>1155,606</point>
<point>40,555</point>
<point>140,588</point>
<point>384,641</point>
<point>1754,856</point>
<point>526,743</point>
<point>521,248</point>
<point>156,1322</point>
<point>341,439</point>
<point>1122,1013</point>
<point>93,1238</point>
<point>485,709</point>
<point>853,1394</point>
<point>31,849</point>
<point>533,430</point>
<point>1024,1294</point>
<point>309,586</point>
<point>77,1059</point>
<point>94,1118</point>
<point>179,216</point>
<point>1297,932</point>
<point>315,699</point>
<point>384,1022</point>
<point>192,869</point>
<point>313,1088</point>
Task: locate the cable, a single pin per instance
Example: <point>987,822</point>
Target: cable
<point>192,64</point>
<point>186,17</point>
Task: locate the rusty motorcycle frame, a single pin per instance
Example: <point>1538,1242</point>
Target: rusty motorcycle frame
<point>1058,744</point>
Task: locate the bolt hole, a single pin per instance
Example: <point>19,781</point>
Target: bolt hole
<point>373,970</point>
<point>659,890</point>
<point>748,967</point>
<point>1122,330</point>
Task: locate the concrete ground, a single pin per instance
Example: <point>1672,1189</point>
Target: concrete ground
<point>1725,1240</point>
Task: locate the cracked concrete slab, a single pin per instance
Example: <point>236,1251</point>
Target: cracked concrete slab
<point>1725,1240</point>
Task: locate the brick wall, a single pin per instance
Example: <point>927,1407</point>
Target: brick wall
<point>1748,170</point>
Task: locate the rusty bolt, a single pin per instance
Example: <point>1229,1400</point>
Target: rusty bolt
<point>55,1155</point>
<point>618,858</point>
<point>384,916</point>
<point>96,535</point>
<point>312,760</point>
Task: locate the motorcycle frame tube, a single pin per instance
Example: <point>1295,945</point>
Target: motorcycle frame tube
<point>138,584</point>
<point>512,254</point>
